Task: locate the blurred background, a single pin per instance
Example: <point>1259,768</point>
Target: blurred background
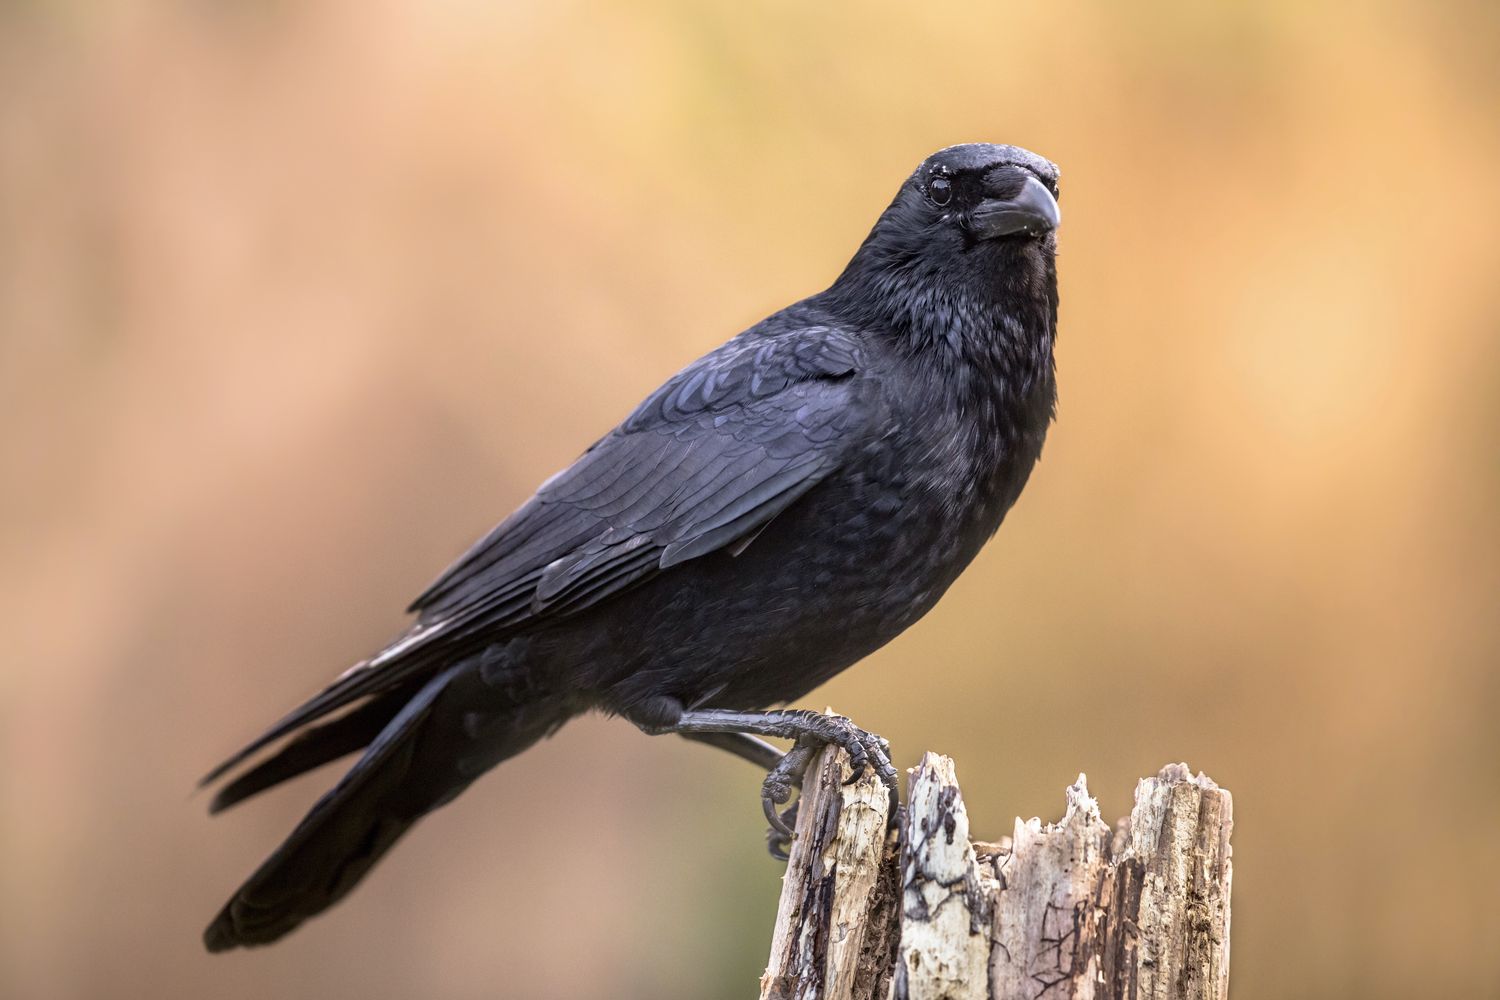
<point>298,299</point>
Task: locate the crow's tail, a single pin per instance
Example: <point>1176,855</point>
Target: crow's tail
<point>318,745</point>
<point>424,756</point>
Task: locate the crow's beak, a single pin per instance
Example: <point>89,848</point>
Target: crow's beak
<point>1032,210</point>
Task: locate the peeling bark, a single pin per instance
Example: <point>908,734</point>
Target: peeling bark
<point>1069,910</point>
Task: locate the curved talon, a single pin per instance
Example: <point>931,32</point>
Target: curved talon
<point>773,816</point>
<point>778,843</point>
<point>786,775</point>
<point>878,753</point>
<point>859,760</point>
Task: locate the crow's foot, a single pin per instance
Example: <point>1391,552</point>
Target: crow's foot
<point>811,730</point>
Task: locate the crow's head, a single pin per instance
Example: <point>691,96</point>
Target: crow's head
<point>967,195</point>
<point>970,233</point>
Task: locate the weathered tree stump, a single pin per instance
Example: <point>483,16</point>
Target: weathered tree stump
<point>1071,910</point>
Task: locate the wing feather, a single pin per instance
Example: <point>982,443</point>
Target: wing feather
<point>703,464</point>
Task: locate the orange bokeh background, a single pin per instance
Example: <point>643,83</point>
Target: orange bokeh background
<point>297,299</point>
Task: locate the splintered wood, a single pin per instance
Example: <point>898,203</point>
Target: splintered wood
<point>838,906</point>
<point>1070,910</point>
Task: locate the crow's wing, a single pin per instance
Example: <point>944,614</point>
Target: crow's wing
<point>716,452</point>
<point>703,464</point>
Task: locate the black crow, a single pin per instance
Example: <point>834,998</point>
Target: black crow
<point>777,510</point>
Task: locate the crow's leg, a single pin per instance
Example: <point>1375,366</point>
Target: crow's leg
<point>757,751</point>
<point>810,729</point>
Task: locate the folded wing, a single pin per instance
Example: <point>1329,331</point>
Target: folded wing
<point>703,464</point>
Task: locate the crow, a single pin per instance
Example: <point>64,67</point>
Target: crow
<point>776,511</point>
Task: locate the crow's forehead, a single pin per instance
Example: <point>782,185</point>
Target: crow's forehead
<point>979,156</point>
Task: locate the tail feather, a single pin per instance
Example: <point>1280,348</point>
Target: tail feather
<point>314,747</point>
<point>345,833</point>
<point>445,735</point>
<point>402,665</point>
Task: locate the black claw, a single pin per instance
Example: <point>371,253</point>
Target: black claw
<point>878,749</point>
<point>778,843</point>
<point>773,817</point>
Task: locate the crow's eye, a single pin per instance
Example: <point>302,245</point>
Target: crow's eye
<point>940,191</point>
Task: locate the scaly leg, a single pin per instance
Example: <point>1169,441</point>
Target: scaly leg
<point>810,729</point>
<point>758,752</point>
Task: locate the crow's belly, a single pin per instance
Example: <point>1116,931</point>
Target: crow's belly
<point>820,588</point>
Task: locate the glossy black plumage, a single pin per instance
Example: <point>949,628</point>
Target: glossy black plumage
<point>774,512</point>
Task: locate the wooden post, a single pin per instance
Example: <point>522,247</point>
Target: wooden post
<point>1071,910</point>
